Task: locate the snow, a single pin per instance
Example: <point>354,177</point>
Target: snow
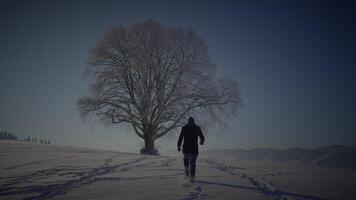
<point>321,158</point>
<point>40,171</point>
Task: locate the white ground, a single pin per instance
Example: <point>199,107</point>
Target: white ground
<point>40,171</point>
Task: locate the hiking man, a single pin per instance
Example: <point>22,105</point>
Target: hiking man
<point>190,133</point>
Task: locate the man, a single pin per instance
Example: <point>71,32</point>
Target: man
<point>190,133</point>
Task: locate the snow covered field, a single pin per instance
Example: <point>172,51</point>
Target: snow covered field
<point>40,171</point>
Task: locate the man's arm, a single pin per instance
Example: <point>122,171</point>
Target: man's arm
<point>201,136</point>
<point>180,139</point>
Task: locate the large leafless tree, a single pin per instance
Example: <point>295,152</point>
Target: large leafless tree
<point>153,77</point>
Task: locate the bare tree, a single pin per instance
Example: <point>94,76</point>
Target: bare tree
<point>153,77</point>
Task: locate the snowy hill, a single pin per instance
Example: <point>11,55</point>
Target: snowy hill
<point>39,171</point>
<point>330,156</point>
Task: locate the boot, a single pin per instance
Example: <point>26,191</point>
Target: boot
<point>187,171</point>
<point>192,179</point>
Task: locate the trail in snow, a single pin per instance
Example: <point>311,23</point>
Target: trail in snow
<point>82,175</point>
<point>260,184</point>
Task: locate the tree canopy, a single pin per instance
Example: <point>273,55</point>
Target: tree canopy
<point>153,77</point>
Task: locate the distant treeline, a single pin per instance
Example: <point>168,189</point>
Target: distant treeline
<point>6,135</point>
<point>34,140</point>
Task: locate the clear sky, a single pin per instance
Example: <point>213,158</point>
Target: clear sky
<point>294,61</point>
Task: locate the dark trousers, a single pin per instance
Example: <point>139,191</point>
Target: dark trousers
<point>190,160</point>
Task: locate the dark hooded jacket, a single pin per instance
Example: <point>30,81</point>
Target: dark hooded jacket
<point>190,134</point>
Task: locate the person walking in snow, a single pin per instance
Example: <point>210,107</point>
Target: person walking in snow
<point>190,133</point>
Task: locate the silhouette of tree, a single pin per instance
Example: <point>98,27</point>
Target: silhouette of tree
<point>153,77</point>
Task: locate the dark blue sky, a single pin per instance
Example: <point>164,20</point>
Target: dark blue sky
<point>294,61</point>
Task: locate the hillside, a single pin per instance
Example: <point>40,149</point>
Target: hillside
<point>335,156</point>
<point>39,171</point>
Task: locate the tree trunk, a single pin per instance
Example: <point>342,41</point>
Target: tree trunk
<point>149,145</point>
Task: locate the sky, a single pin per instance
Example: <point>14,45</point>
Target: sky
<point>294,62</point>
